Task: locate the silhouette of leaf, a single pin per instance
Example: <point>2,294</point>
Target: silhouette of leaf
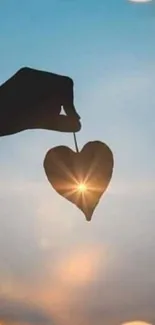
<point>80,177</point>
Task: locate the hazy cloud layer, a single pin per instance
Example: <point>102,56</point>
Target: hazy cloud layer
<point>101,272</point>
<point>22,313</point>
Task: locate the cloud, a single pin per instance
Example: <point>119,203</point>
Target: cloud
<point>12,311</point>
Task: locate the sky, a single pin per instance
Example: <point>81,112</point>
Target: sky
<point>55,268</point>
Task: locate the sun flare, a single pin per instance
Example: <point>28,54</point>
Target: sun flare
<point>82,187</point>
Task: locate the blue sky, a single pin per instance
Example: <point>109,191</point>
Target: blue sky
<point>49,255</point>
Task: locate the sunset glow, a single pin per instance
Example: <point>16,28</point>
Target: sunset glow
<point>136,323</point>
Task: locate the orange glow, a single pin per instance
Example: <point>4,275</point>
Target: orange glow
<point>136,323</point>
<point>79,268</point>
<point>61,283</point>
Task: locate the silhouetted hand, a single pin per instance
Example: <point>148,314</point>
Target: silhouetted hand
<point>33,99</point>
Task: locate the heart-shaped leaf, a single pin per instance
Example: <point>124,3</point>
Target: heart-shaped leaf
<point>81,177</point>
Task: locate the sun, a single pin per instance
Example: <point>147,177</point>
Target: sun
<point>82,187</point>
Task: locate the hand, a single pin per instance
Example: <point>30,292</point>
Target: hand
<point>33,99</point>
